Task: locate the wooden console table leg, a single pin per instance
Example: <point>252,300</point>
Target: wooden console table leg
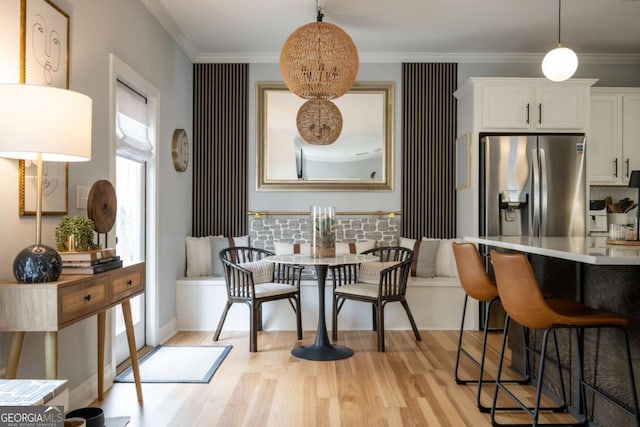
<point>15,348</point>
<point>51,354</point>
<point>131,339</point>
<point>101,337</point>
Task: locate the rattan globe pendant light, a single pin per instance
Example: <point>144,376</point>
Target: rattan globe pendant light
<point>319,122</point>
<point>319,60</point>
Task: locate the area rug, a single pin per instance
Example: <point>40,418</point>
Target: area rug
<point>178,364</point>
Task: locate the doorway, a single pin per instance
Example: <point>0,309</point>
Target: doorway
<point>133,167</point>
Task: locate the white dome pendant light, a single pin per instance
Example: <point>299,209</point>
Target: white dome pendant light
<point>561,63</point>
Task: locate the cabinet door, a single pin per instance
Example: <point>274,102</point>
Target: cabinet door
<point>630,135</point>
<point>506,107</point>
<point>604,149</point>
<point>559,108</point>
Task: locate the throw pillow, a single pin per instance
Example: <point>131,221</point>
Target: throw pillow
<point>354,248</point>
<point>424,256</point>
<point>198,256</point>
<point>370,271</point>
<point>262,270</point>
<point>282,248</point>
<point>445,260</point>
<point>219,243</point>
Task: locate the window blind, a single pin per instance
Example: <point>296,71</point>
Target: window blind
<point>132,125</point>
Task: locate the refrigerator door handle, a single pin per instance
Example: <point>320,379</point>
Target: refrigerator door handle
<point>534,211</point>
<point>544,191</point>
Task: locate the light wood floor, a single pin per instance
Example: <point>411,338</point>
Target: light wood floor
<point>410,385</point>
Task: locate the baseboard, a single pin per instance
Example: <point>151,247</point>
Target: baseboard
<point>168,330</point>
<point>87,392</point>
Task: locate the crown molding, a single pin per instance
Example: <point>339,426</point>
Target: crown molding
<point>170,26</point>
<point>399,57</point>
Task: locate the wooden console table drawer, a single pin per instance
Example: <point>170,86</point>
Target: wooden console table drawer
<point>77,301</point>
<point>124,285</point>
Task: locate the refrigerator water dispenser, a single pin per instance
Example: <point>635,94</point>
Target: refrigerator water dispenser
<point>513,212</point>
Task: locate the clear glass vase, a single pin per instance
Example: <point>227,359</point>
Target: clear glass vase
<point>323,231</point>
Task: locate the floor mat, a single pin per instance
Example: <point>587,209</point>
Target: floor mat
<point>178,364</point>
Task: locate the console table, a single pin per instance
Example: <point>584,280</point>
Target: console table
<point>49,307</point>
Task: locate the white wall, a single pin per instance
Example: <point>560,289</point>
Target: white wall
<point>343,201</point>
<point>98,28</point>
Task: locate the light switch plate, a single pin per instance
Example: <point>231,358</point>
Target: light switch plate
<point>82,196</point>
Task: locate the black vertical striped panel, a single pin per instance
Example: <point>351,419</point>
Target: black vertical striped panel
<point>428,144</point>
<point>220,107</point>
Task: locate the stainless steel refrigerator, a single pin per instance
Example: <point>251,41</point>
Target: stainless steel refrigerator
<point>533,185</point>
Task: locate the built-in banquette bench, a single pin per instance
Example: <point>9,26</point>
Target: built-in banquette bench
<point>436,302</point>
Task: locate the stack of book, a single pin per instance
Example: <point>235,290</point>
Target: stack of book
<point>90,262</point>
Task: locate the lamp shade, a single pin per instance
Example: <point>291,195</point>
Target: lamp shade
<point>319,121</point>
<point>319,60</point>
<point>40,119</point>
<point>634,179</point>
<point>559,64</point>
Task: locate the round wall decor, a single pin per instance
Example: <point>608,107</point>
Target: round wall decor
<point>180,150</point>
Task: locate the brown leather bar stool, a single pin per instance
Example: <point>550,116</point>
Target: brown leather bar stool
<point>523,301</point>
<point>477,285</point>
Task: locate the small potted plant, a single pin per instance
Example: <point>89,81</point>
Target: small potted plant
<point>75,234</point>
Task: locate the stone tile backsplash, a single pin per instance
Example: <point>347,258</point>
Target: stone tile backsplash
<point>264,231</point>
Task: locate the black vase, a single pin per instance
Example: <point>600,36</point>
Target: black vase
<point>37,264</point>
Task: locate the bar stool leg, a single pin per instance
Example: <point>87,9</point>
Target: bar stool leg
<point>464,312</point>
<point>560,376</point>
<point>634,393</point>
<point>543,358</point>
<point>499,373</point>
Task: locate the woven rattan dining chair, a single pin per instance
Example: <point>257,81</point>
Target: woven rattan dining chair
<point>376,283</point>
<point>476,284</point>
<point>252,280</point>
<point>524,303</point>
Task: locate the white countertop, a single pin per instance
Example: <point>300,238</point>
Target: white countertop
<point>589,250</point>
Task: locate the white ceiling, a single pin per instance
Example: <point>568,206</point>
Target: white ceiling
<point>407,30</point>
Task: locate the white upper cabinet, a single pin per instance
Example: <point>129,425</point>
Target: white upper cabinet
<point>613,147</point>
<point>631,133</point>
<point>533,105</point>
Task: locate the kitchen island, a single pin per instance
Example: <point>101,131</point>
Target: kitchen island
<point>600,275</point>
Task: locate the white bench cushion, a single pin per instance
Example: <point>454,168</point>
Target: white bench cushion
<point>363,289</point>
<point>270,289</point>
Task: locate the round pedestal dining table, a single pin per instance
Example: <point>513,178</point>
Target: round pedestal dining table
<point>322,349</point>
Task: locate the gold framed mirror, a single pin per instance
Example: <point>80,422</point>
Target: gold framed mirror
<point>361,159</point>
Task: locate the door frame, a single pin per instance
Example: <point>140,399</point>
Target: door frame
<point>118,70</point>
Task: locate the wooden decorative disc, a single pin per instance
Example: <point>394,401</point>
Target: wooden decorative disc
<point>102,205</point>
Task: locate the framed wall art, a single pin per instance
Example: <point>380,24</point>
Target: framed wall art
<point>54,188</point>
<point>44,60</point>
<point>44,44</point>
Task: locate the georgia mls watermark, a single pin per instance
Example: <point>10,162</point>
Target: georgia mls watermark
<point>32,416</point>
